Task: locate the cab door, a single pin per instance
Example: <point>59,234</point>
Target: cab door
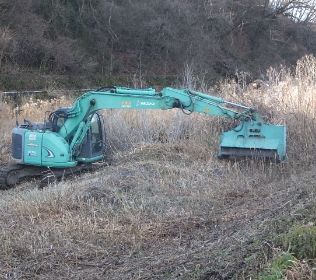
<point>96,135</point>
<point>93,146</point>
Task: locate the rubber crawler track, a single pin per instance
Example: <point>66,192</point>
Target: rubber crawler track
<point>12,175</point>
<point>4,172</point>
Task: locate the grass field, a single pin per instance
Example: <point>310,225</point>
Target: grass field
<point>166,207</point>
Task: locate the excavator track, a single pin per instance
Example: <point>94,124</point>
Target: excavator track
<point>11,176</point>
<point>8,177</point>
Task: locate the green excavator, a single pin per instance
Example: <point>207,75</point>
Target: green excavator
<point>73,139</point>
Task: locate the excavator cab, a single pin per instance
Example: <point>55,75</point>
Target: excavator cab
<point>93,145</point>
<point>57,119</point>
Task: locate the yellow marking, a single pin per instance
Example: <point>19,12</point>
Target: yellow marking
<point>206,110</point>
<point>126,102</point>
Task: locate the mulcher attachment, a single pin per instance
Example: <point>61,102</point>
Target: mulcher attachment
<point>254,139</point>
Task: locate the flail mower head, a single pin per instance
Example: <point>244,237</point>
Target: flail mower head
<point>254,139</point>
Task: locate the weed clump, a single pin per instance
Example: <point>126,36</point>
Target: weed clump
<point>301,241</point>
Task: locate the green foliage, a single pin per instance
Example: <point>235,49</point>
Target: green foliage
<point>277,267</point>
<point>301,241</point>
<point>9,83</point>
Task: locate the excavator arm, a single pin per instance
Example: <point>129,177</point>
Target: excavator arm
<point>125,98</point>
<point>251,138</point>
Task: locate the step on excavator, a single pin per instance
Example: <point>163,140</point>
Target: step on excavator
<point>72,139</point>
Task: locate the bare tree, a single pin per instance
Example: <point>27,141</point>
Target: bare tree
<point>298,10</point>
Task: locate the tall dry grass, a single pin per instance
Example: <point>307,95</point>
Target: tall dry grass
<point>166,207</point>
<point>286,97</point>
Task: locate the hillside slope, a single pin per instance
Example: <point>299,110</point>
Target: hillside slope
<point>145,38</point>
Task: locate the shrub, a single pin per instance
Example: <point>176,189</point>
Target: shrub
<point>278,266</point>
<point>301,241</point>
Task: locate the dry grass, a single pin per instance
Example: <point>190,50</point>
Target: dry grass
<point>167,208</point>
